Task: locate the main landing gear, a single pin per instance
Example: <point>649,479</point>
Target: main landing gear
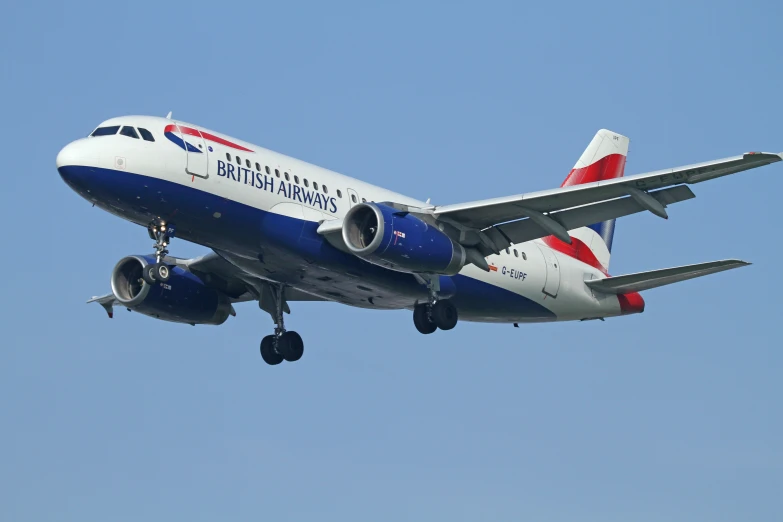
<point>435,313</point>
<point>282,345</point>
<point>162,234</point>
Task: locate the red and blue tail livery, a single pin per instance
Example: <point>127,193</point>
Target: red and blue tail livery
<point>280,230</point>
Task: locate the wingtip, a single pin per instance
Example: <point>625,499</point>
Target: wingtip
<point>739,262</point>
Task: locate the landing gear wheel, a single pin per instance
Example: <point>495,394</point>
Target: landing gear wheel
<point>291,346</point>
<point>268,353</point>
<point>148,274</point>
<point>422,320</point>
<point>444,314</point>
<point>162,272</point>
<point>162,234</point>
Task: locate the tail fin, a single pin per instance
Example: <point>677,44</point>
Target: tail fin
<point>603,159</point>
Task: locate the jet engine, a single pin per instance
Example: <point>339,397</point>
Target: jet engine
<point>184,298</point>
<point>400,241</point>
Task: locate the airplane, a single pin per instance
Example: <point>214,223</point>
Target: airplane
<point>281,230</point>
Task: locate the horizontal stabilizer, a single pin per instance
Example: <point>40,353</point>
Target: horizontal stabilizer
<point>655,278</point>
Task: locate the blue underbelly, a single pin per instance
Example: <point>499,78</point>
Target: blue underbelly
<point>283,248</point>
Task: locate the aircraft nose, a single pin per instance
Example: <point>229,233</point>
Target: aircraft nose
<point>68,156</point>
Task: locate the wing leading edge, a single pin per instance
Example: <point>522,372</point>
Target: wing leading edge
<point>487,213</point>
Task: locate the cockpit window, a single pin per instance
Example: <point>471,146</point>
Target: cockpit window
<point>129,132</point>
<point>106,131</point>
<point>147,135</point>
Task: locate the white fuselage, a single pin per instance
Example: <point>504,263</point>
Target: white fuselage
<point>255,206</point>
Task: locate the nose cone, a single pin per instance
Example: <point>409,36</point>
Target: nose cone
<point>69,155</point>
<point>75,158</point>
<point>75,164</point>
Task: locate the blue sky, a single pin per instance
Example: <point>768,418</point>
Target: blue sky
<point>674,414</point>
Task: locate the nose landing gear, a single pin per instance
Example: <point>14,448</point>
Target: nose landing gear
<point>162,234</point>
<point>282,345</point>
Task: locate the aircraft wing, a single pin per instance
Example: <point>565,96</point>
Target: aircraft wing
<point>537,206</point>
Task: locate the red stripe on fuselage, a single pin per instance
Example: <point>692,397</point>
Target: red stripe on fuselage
<point>207,136</point>
<point>191,132</point>
<point>216,139</point>
<point>608,167</point>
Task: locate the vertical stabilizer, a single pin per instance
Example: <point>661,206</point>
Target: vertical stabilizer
<point>603,159</point>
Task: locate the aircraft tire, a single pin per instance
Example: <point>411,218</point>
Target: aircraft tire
<point>422,321</point>
<point>148,274</point>
<point>268,353</point>
<point>162,272</point>
<point>444,314</point>
<point>291,346</point>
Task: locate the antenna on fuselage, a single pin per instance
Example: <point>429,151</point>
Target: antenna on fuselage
<point>168,116</point>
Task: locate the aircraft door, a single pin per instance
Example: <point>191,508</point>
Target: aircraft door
<point>552,284</point>
<point>353,196</point>
<point>197,155</point>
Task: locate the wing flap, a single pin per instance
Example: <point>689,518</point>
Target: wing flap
<point>527,229</point>
<point>666,276</point>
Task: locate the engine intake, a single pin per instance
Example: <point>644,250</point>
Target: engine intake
<point>400,241</point>
<point>184,298</point>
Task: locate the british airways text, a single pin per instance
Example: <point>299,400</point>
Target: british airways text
<point>266,182</point>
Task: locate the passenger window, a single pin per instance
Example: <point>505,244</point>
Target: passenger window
<point>353,198</point>
<point>239,161</point>
<point>524,256</point>
<point>129,132</point>
<point>296,179</point>
<point>516,254</point>
<point>258,167</point>
<point>228,156</point>
<point>147,135</point>
<point>315,185</point>
<point>267,171</point>
<point>339,193</point>
<point>364,200</point>
<point>286,176</point>
<point>277,173</point>
<point>508,252</point>
<point>247,162</point>
<point>324,187</point>
<point>306,183</point>
<point>106,131</point>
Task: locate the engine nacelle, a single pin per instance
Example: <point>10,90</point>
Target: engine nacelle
<point>400,241</point>
<point>184,298</point>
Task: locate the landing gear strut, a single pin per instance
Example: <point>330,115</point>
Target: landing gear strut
<point>436,313</point>
<point>282,345</point>
<point>162,234</point>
